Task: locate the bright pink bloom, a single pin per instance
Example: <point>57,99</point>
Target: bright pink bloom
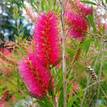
<point>78,25</point>
<point>36,77</point>
<point>75,33</point>
<point>85,10</point>
<point>47,40</point>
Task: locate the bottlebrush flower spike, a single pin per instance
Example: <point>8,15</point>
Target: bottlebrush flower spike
<point>78,25</point>
<point>47,40</point>
<point>85,10</point>
<point>36,77</point>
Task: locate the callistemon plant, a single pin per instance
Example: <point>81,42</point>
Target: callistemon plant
<point>46,38</point>
<point>35,69</point>
<point>76,19</point>
<point>64,64</point>
<point>36,77</point>
<point>84,9</point>
<point>77,25</point>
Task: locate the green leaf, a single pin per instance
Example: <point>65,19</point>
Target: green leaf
<point>46,102</point>
<point>92,22</point>
<point>89,2</point>
<point>86,45</point>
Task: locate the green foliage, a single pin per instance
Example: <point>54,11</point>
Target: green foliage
<point>88,2</point>
<point>13,19</point>
<point>45,5</point>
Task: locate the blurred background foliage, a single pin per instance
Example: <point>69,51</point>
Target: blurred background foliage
<point>12,21</point>
<point>15,27</point>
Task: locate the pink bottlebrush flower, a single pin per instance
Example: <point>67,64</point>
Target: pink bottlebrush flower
<point>35,76</point>
<point>47,40</point>
<point>78,25</point>
<point>75,33</point>
<point>85,10</point>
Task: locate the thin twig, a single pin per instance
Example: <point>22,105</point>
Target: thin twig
<point>104,93</point>
<point>55,101</point>
<point>63,53</point>
<point>101,65</point>
<point>82,102</point>
<point>93,84</point>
